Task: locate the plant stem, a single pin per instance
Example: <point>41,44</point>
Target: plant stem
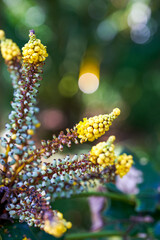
<point>6,158</point>
<point>86,235</point>
<point>29,160</point>
<point>115,196</point>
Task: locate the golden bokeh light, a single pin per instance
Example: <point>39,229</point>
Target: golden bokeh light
<point>89,75</point>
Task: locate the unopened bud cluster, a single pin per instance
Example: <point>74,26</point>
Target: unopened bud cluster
<point>123,164</point>
<point>34,51</point>
<point>55,224</point>
<point>28,184</point>
<point>9,49</point>
<point>103,154</point>
<point>94,127</point>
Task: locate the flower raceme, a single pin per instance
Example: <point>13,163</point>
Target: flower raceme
<point>56,225</point>
<point>94,127</point>
<point>34,51</point>
<point>26,183</point>
<point>123,164</point>
<point>9,49</point>
<point>104,155</point>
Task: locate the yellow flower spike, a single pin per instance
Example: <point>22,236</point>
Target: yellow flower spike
<point>33,51</point>
<point>103,153</point>
<point>57,225</point>
<point>123,164</point>
<point>94,127</point>
<point>9,49</point>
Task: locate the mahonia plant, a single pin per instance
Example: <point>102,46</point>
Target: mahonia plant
<point>28,183</point>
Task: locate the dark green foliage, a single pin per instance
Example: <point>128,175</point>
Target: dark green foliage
<point>75,210</point>
<point>16,231</point>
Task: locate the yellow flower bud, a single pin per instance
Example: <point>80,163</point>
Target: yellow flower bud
<point>116,111</point>
<point>30,131</point>
<point>37,125</point>
<point>14,136</point>
<point>2,34</point>
<point>99,161</point>
<point>68,225</point>
<point>25,238</point>
<point>60,215</point>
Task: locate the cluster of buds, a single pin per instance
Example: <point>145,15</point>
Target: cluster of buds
<point>9,49</point>
<point>34,51</point>
<point>104,155</point>
<point>94,127</point>
<point>123,164</point>
<point>28,184</point>
<point>55,224</point>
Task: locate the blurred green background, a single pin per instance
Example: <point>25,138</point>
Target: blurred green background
<point>124,36</point>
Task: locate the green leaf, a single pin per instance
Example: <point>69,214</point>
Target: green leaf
<point>119,210</point>
<point>147,201</point>
<point>75,210</point>
<point>16,231</point>
<point>157,229</point>
<point>112,187</point>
